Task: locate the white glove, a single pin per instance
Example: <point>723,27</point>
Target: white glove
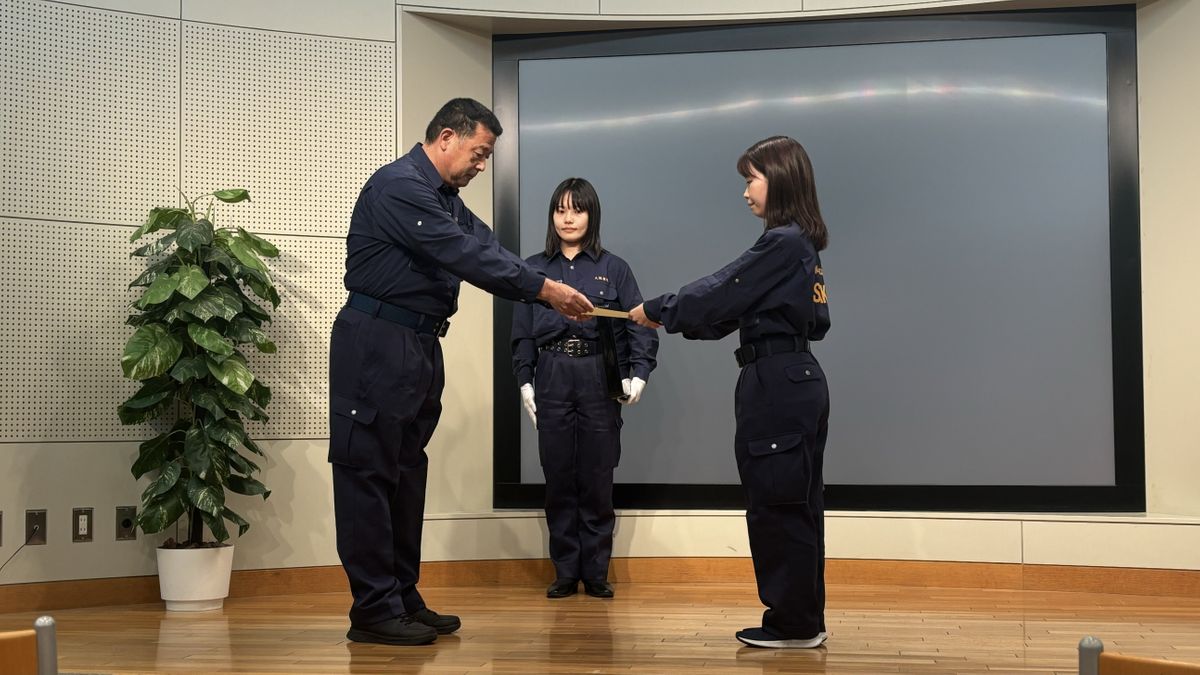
<point>527,401</point>
<point>633,390</point>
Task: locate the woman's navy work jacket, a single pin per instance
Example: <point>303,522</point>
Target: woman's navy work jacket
<point>608,282</point>
<point>775,288</point>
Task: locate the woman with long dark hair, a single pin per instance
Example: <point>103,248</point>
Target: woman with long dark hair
<point>774,296</point>
<point>564,388</point>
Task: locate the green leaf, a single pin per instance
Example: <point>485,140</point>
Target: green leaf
<point>129,415</point>
<point>216,524</point>
<point>152,392</point>
<point>241,330</point>
<point>227,431</point>
<point>250,333</point>
<point>248,486</point>
<point>233,374</point>
<point>253,447</point>
<point>205,398</point>
<point>264,291</point>
<point>151,454</point>
<point>260,245</point>
<point>150,352</point>
<point>192,280</point>
<point>160,290</point>
<point>197,450</point>
<point>220,256</point>
<point>175,315</point>
<point>161,513</point>
<point>208,498</point>
<point>244,406</point>
<point>255,312</point>
<point>189,368</point>
<point>213,301</point>
<point>167,478</point>
<point>259,393</point>
<point>247,274</point>
<point>154,247</point>
<point>232,196</point>
<point>158,219</point>
<point>236,520</point>
<point>209,339</point>
<point>152,272</point>
<point>246,255</point>
<point>220,469</point>
<point>241,463</point>
<point>192,234</point>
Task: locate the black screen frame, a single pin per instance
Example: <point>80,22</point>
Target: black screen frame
<point>1117,23</point>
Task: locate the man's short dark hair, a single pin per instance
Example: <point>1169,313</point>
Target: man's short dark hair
<point>462,116</point>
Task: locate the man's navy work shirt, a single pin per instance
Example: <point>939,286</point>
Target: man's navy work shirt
<point>412,240</point>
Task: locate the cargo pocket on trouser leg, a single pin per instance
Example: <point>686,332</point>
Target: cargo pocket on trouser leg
<point>776,469</point>
<point>348,416</point>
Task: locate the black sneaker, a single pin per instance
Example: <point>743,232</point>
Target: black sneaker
<point>401,630</point>
<point>759,637</point>
<point>561,588</point>
<point>598,588</point>
<point>444,624</point>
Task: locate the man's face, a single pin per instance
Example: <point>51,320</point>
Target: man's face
<point>467,156</point>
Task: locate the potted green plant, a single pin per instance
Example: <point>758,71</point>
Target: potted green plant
<point>197,310</point>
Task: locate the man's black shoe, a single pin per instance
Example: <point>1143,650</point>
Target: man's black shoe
<point>444,624</point>
<point>561,588</point>
<point>401,630</point>
<point>598,588</point>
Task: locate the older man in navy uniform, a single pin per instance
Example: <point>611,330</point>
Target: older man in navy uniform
<point>412,241</point>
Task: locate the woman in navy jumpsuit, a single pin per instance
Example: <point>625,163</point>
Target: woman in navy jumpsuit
<point>561,373</point>
<point>774,296</point>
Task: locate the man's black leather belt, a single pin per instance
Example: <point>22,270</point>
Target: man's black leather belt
<point>422,323</point>
<point>572,347</point>
<point>780,344</point>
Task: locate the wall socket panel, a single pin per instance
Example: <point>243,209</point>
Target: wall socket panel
<point>126,529</point>
<point>82,523</point>
<point>35,517</point>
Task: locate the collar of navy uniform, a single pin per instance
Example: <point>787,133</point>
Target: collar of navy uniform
<point>430,171</point>
<point>584,251</point>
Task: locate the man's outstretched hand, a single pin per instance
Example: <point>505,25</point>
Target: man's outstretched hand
<point>565,300</point>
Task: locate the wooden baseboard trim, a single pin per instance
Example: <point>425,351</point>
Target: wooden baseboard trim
<point>331,579</point>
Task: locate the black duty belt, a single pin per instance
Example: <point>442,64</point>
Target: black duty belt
<point>572,347</point>
<point>422,323</point>
<point>781,344</point>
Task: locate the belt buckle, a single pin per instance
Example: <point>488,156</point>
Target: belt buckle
<point>573,346</point>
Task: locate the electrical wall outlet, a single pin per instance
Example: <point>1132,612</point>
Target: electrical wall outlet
<point>126,529</point>
<point>81,524</point>
<point>35,527</point>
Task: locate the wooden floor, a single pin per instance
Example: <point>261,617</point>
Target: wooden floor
<point>647,628</point>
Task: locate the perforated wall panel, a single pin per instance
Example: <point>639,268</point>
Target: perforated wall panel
<point>90,127</point>
<point>308,276</point>
<point>301,121</point>
<point>63,329</point>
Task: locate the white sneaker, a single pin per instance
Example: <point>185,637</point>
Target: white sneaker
<point>757,637</point>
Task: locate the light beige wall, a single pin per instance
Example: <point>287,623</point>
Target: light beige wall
<point>1169,149</point>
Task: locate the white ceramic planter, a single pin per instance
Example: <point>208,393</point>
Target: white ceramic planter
<point>194,580</point>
